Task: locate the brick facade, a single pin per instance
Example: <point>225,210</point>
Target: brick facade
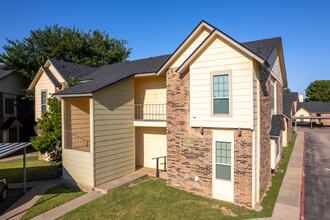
<point>184,163</point>
<point>265,116</point>
<point>243,168</point>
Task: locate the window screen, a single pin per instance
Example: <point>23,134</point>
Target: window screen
<point>223,160</point>
<point>221,94</point>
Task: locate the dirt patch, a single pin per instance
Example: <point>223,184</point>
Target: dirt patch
<point>226,211</point>
<point>131,184</point>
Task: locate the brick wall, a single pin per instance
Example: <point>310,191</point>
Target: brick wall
<point>265,121</point>
<point>243,168</point>
<point>184,163</point>
<point>279,99</point>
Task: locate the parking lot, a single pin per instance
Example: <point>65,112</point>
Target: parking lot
<point>317,174</point>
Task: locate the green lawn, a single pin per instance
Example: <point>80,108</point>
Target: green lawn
<point>151,198</point>
<point>53,198</point>
<point>36,169</point>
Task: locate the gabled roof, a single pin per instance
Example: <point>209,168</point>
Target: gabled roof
<point>4,73</point>
<point>288,99</point>
<point>51,76</point>
<point>108,75</point>
<point>314,107</point>
<point>67,69</point>
<point>9,122</point>
<point>276,125</point>
<point>262,47</point>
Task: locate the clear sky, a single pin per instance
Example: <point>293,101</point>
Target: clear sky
<point>158,27</point>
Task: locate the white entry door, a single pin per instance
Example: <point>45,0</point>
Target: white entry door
<point>223,165</point>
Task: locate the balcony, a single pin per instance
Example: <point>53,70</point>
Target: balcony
<point>77,140</point>
<point>150,112</point>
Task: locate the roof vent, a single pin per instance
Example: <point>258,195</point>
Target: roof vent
<point>258,50</point>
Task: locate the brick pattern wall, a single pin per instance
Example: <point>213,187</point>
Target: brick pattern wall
<point>184,163</point>
<point>279,99</point>
<point>243,168</point>
<point>265,121</point>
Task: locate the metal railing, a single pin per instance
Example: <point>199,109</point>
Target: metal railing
<point>150,112</point>
<point>157,164</point>
<point>77,140</point>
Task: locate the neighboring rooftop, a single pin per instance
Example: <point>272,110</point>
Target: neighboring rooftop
<point>314,107</point>
<point>4,73</point>
<point>276,125</point>
<point>107,75</point>
<point>68,69</point>
<point>288,99</point>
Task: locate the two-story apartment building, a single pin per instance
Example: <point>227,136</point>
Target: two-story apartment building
<point>214,108</point>
<point>11,89</point>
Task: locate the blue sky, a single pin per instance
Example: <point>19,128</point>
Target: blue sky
<point>158,27</point>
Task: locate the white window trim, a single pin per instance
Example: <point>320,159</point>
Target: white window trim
<point>41,101</point>
<point>272,84</point>
<point>217,73</point>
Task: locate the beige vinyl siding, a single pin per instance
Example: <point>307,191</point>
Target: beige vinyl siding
<point>275,67</point>
<point>114,142</point>
<point>12,84</point>
<point>191,47</point>
<point>304,113</point>
<point>57,75</point>
<point>150,90</point>
<point>43,84</point>
<point>149,143</point>
<point>78,166</point>
<point>219,56</point>
<point>255,132</point>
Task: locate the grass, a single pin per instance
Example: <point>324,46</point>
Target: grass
<point>52,198</point>
<point>36,169</point>
<point>151,198</point>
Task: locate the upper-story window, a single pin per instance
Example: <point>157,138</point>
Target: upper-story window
<point>272,96</point>
<point>43,102</point>
<point>221,94</point>
<point>9,105</point>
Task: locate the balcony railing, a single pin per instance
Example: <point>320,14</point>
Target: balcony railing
<point>150,112</point>
<point>77,140</point>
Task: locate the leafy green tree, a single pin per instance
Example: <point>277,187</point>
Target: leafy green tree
<point>94,48</point>
<point>319,90</point>
<point>50,126</point>
<point>286,90</point>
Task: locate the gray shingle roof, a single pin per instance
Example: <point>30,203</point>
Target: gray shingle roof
<point>276,125</point>
<point>262,48</point>
<point>4,73</point>
<point>314,107</point>
<point>51,76</point>
<point>107,75</point>
<point>288,99</point>
<point>68,69</point>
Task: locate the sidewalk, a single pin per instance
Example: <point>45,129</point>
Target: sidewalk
<point>19,208</point>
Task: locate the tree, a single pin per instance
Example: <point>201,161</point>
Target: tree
<point>94,48</point>
<point>286,90</point>
<point>319,90</point>
<point>50,126</point>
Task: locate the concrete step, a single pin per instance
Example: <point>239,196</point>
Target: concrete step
<point>109,186</point>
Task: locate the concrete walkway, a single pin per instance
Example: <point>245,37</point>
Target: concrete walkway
<point>19,208</point>
<point>99,191</point>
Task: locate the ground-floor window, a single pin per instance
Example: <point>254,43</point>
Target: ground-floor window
<point>223,160</point>
<point>13,134</point>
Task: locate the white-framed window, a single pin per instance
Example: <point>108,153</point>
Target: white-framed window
<point>43,101</point>
<point>13,133</point>
<point>9,105</point>
<point>272,96</point>
<point>223,160</point>
<point>221,94</point>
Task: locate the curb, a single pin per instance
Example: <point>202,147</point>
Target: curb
<point>302,200</point>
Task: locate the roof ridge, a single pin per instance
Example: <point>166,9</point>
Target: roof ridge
<point>272,38</point>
